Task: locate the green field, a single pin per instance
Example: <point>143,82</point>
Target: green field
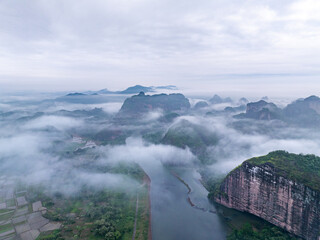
<point>98,214</point>
<point>11,203</point>
<point>5,228</point>
<point>6,216</point>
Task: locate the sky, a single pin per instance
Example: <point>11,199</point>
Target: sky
<point>224,45</point>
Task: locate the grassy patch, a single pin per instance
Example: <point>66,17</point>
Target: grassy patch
<point>6,216</point>
<point>20,194</point>
<point>304,169</point>
<point>143,215</point>
<point>21,223</point>
<point>5,211</point>
<point>5,228</point>
<point>11,203</point>
<point>250,232</point>
<point>30,210</point>
<point>23,208</point>
<point>53,235</point>
<point>245,226</point>
<point>93,214</point>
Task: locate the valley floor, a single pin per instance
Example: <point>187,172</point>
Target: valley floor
<point>20,218</point>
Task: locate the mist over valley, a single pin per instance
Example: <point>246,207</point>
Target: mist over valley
<point>79,145</point>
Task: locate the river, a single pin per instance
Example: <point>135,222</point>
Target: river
<point>173,218</point>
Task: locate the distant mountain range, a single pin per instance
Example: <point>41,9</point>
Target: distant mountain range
<point>130,90</point>
<point>304,112</point>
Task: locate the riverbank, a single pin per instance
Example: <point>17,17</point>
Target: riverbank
<point>192,204</point>
<point>172,216</point>
<point>147,181</point>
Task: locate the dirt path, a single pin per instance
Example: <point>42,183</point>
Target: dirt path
<point>147,180</point>
<point>135,219</point>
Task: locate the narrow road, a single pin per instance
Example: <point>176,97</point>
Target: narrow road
<point>135,219</point>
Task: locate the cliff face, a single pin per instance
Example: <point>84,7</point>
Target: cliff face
<point>305,112</point>
<point>139,104</point>
<point>261,191</point>
<point>261,110</point>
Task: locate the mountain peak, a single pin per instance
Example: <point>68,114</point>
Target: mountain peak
<point>216,99</point>
<point>75,94</point>
<point>312,98</point>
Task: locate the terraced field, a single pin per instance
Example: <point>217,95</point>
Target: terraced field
<point>21,219</point>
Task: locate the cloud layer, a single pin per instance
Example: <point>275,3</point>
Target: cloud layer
<point>116,43</point>
<point>41,148</point>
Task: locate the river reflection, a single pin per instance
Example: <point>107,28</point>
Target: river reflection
<point>173,218</point>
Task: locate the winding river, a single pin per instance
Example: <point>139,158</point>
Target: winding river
<point>173,217</point>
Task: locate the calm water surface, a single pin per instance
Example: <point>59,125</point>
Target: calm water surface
<point>172,216</point>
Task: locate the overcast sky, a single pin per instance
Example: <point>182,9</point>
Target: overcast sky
<point>93,44</point>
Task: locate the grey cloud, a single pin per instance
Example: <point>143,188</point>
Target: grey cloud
<point>27,157</point>
<point>27,150</point>
<point>60,43</point>
<point>138,151</point>
<point>28,153</point>
<point>61,123</point>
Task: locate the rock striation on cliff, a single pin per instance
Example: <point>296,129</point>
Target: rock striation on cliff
<point>279,188</point>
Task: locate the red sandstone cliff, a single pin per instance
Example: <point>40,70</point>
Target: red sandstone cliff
<point>261,191</point>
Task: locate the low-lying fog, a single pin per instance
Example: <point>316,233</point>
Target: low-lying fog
<point>34,136</point>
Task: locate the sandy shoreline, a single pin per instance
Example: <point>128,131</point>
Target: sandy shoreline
<point>189,191</point>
